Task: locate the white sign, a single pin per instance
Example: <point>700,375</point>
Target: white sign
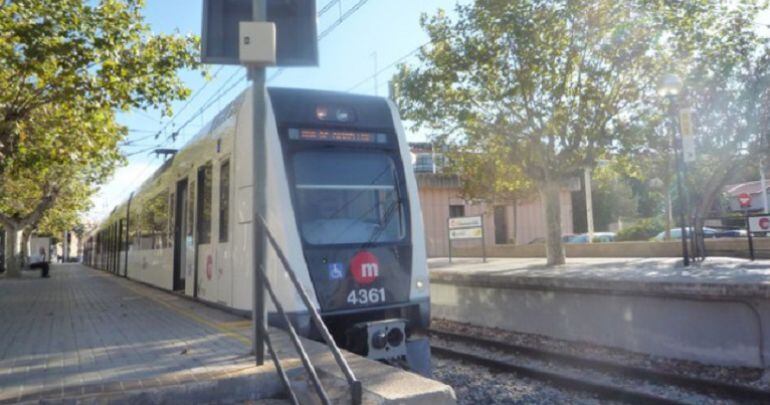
<point>688,137</point>
<point>759,224</point>
<point>464,222</point>
<point>465,233</point>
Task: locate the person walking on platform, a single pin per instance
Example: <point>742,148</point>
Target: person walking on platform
<point>41,264</point>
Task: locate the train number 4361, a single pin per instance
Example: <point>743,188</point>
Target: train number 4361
<point>366,296</point>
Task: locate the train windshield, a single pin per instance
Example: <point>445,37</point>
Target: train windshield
<point>347,197</point>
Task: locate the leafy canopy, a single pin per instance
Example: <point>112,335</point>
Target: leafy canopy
<point>88,56</point>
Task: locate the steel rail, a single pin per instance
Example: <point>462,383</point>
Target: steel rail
<point>279,367</point>
<point>704,386</point>
<point>356,389</point>
<point>296,341</point>
<point>608,392</point>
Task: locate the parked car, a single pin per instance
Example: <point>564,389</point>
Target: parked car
<point>676,233</point>
<point>731,233</point>
<point>599,237</point>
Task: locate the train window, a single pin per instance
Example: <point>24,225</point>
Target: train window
<point>224,200</point>
<point>134,225</point>
<point>190,212</point>
<point>157,221</point>
<point>204,216</point>
<point>171,218</point>
<point>347,197</point>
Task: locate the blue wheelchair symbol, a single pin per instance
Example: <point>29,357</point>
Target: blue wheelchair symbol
<point>336,271</point>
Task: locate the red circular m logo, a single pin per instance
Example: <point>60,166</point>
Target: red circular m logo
<point>365,268</point>
<point>764,223</point>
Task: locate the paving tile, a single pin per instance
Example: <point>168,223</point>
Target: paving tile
<point>84,332</point>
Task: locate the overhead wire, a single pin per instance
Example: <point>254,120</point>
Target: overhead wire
<point>390,65</point>
<point>328,30</point>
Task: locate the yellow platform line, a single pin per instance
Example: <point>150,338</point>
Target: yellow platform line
<point>219,326</point>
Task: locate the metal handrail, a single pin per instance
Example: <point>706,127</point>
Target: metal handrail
<point>356,389</point>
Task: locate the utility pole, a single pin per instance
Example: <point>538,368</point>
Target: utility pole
<point>589,205</point>
<point>763,184</point>
<point>259,166</point>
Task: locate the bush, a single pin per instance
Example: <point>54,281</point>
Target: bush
<point>643,229</point>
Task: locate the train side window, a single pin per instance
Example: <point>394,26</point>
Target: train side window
<point>134,225</point>
<point>224,200</point>
<point>157,221</point>
<point>204,217</point>
<point>171,218</point>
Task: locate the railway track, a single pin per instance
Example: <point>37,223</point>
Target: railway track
<point>606,388</point>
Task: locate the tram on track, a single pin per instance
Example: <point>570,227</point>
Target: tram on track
<point>342,204</point>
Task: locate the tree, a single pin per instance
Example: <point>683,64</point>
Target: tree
<point>552,84</point>
<point>62,155</point>
<point>86,56</point>
<point>66,70</point>
<point>729,90</point>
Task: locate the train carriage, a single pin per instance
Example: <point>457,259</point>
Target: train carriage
<point>342,204</point>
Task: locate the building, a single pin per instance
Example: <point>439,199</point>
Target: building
<point>753,189</point>
<point>504,221</point>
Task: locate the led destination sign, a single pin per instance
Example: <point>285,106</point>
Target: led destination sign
<point>336,136</point>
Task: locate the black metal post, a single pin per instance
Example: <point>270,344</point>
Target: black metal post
<point>748,233</point>
<point>680,168</point>
<point>259,167</point>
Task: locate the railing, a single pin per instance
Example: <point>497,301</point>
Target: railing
<point>356,390</point>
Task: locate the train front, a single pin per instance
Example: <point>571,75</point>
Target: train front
<point>356,208</point>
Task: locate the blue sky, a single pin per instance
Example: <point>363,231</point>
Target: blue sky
<point>386,30</point>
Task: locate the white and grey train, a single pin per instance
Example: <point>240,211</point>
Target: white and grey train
<point>342,203</point>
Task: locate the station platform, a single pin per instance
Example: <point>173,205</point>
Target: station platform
<point>716,311</point>
<point>87,336</point>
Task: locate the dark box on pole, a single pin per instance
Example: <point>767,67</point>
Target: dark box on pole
<point>295,26</point>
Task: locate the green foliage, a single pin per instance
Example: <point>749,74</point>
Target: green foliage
<point>66,69</point>
<point>643,229</point>
<point>86,55</point>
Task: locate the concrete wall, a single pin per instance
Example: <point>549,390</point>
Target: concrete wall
<point>714,332</point>
<point>715,247</point>
<point>529,221</point>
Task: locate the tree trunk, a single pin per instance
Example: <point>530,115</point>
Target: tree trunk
<point>716,182</point>
<point>515,221</point>
<point>669,214</point>
<point>12,251</point>
<point>550,193</point>
<point>25,235</point>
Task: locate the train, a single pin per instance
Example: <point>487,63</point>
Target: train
<point>342,205</point>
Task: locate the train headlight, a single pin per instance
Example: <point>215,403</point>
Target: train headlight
<point>322,112</point>
<point>420,284</point>
<point>395,337</point>
<point>380,339</point>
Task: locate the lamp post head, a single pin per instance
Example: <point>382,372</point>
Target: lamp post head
<point>670,85</point>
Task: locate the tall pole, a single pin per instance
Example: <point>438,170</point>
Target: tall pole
<point>259,166</point>
<point>677,142</point>
<point>589,205</point>
<point>763,184</point>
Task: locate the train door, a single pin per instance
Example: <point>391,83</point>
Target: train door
<point>189,241</point>
<point>223,257</point>
<point>205,282</point>
<point>180,236</point>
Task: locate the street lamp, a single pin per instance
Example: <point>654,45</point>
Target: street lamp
<point>669,87</point>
